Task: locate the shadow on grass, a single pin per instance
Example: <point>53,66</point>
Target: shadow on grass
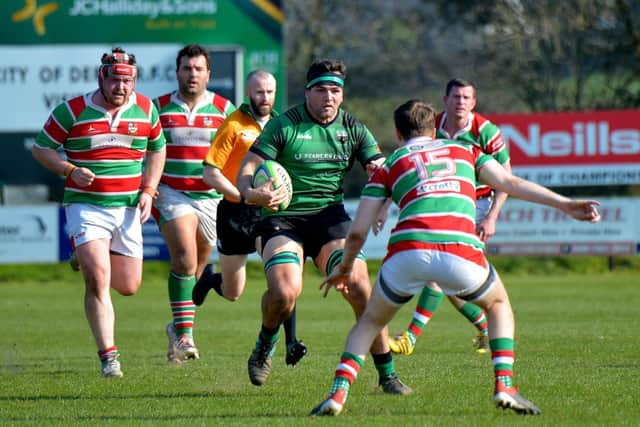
<point>202,394</point>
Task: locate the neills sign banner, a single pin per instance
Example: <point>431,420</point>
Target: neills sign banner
<point>574,148</point>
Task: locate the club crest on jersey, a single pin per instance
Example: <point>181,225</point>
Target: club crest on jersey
<point>342,136</point>
<point>132,128</point>
<point>207,121</point>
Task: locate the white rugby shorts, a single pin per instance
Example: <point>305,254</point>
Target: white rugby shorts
<point>121,225</point>
<point>407,272</point>
<point>173,204</point>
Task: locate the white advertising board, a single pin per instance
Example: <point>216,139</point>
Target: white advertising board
<point>525,228</point>
<point>528,228</point>
<point>38,78</point>
<point>29,234</point>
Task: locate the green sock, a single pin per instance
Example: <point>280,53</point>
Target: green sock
<point>182,307</point>
<point>427,304</point>
<point>476,316</point>
<point>384,364</point>
<point>269,336</point>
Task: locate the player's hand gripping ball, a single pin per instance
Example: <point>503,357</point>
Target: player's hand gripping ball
<point>271,169</point>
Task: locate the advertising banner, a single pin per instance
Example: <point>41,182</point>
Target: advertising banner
<point>37,233</point>
<point>574,148</point>
<point>50,50</point>
<point>36,79</point>
<point>525,228</point>
<point>529,229</point>
<point>28,234</point>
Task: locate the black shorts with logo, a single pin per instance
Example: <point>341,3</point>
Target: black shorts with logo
<point>236,228</point>
<point>312,231</point>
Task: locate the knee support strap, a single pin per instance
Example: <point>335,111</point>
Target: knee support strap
<point>286,257</point>
<point>336,257</point>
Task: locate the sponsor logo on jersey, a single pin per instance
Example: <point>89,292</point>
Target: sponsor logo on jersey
<point>193,137</point>
<point>439,186</point>
<point>321,157</point>
<point>304,136</point>
<point>111,140</point>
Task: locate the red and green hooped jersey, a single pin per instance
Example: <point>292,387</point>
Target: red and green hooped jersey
<point>481,132</point>
<point>189,135</point>
<point>433,184</point>
<point>112,147</point>
<point>316,156</point>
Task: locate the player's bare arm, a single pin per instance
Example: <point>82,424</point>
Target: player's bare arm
<point>378,225</point>
<point>152,173</point>
<point>214,177</point>
<point>494,175</point>
<point>487,226</point>
<point>50,159</point>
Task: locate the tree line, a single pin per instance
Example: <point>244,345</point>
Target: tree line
<point>523,55</point>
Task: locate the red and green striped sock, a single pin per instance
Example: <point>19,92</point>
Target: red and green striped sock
<point>476,316</point>
<point>182,307</point>
<point>427,304</point>
<point>503,356</point>
<point>104,354</point>
<point>346,373</point>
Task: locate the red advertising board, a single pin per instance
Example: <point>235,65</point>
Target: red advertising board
<point>574,148</point>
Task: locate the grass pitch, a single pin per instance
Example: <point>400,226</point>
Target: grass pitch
<point>577,357</point>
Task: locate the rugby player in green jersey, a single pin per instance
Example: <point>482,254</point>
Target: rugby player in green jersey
<point>433,183</point>
<point>236,220</point>
<point>316,142</point>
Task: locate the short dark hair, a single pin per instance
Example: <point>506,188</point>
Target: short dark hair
<point>457,82</point>
<point>414,118</point>
<point>326,66</point>
<point>191,51</point>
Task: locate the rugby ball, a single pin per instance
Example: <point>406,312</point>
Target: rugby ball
<point>271,169</point>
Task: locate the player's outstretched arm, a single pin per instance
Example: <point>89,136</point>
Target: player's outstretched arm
<point>496,177</point>
<point>583,210</point>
